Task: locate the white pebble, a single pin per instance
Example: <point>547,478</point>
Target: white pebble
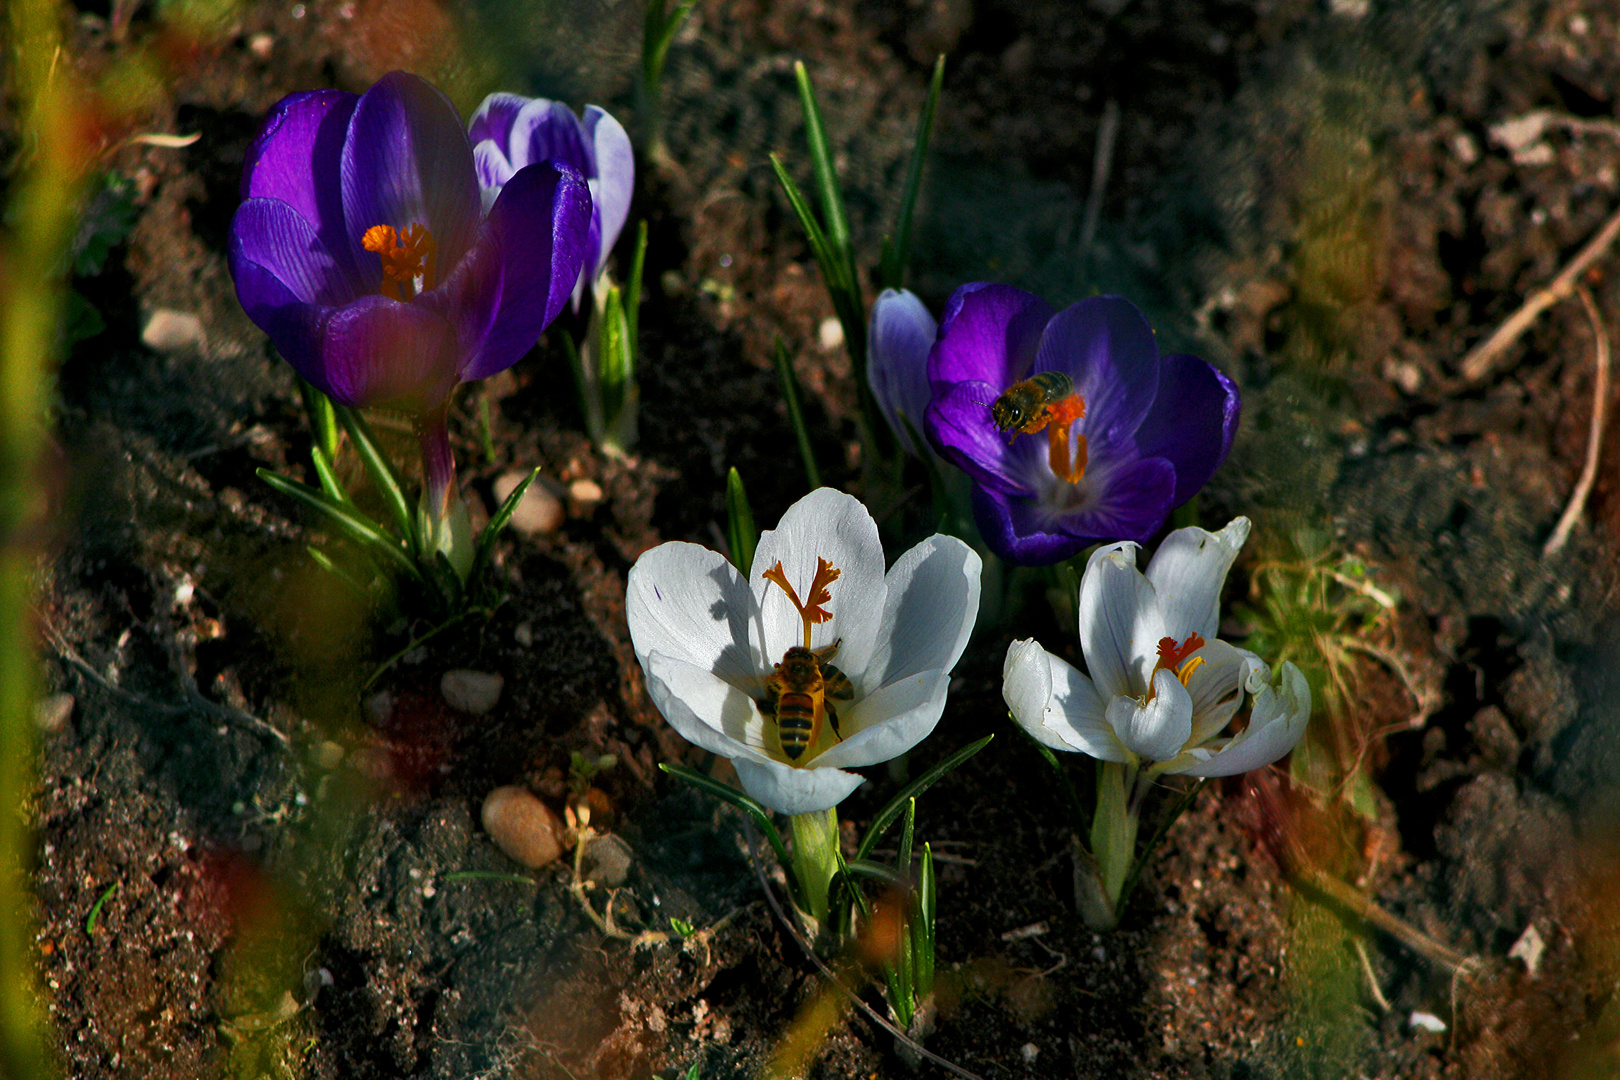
<point>830,333</point>
<point>1426,1021</point>
<point>584,496</point>
<point>472,692</point>
<point>52,714</point>
<point>169,331</point>
<point>522,826</point>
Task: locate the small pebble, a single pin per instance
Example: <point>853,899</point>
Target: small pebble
<point>261,45</point>
<point>830,333</point>
<point>1425,1021</point>
<point>379,707</point>
<point>328,754</point>
<point>609,857</point>
<point>1029,1052</point>
<point>522,826</point>
<point>538,512</point>
<point>1528,949</point>
<point>53,713</point>
<point>471,692</point>
<point>524,635</point>
<point>584,496</point>
<point>169,331</point>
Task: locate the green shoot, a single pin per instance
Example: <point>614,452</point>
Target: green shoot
<point>790,395</point>
<point>741,534</point>
<point>659,27</point>
<point>897,249</point>
<point>897,805</point>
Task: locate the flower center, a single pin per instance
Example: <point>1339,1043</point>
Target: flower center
<point>813,609</point>
<point>1177,659</point>
<point>407,259</point>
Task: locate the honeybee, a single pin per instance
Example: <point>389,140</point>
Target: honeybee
<point>799,691</point>
<point>1028,406</point>
<point>1045,401</point>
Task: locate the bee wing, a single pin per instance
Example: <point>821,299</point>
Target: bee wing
<point>837,684</point>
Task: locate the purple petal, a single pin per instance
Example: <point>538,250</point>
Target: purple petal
<point>615,176</point>
<point>989,333</point>
<point>293,324</point>
<point>538,227</point>
<point>959,425</point>
<point>494,118</point>
<point>898,338</point>
<point>493,169</point>
<point>296,158</point>
<point>407,161</point>
<point>1010,526</point>
<point>1106,346</point>
<point>549,129</point>
<point>379,351</point>
<point>1192,422</point>
<point>1128,502</point>
<point>275,237</point>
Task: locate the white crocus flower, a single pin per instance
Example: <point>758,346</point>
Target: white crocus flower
<point>1162,688</point>
<point>709,641</point>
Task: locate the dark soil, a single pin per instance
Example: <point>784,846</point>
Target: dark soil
<point>1309,194</point>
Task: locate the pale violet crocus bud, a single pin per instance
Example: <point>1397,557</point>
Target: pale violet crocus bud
<point>509,132</point>
<point>898,338</point>
<point>1162,689</point>
<point>728,657</point>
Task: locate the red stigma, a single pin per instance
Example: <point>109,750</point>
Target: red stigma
<point>1171,655</point>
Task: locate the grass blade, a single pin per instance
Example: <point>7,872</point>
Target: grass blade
<point>729,794</point>
<point>328,478</point>
<point>383,475</point>
<point>351,522</point>
<point>896,806</point>
<point>831,268</point>
<point>632,288</point>
<point>832,201</point>
<point>492,531</point>
<point>742,536</point>
<point>322,418</point>
<point>790,394</point>
<point>898,252</point>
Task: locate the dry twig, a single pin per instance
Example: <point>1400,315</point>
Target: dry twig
<point>1594,438</point>
<point>1482,357</point>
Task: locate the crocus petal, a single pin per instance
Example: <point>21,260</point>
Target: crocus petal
<point>887,723</point>
<point>1216,688</point>
<point>494,170</point>
<point>1120,624</point>
<point>1188,572</point>
<point>959,425</point>
<point>1276,725</point>
<point>291,322</point>
<point>929,608</point>
<point>615,175</point>
<point>1124,501</point>
<point>898,338</point>
<point>989,333</point>
<point>688,602</point>
<point>272,235</point>
<point>538,226</point>
<point>795,791</point>
<point>708,711</point>
<point>406,161</point>
<point>1192,423</point>
<point>1021,531</point>
<point>1056,704</point>
<point>547,129</point>
<point>378,351</point>
<point>825,524</point>
<point>1158,730</point>
<point>1106,346</point>
<point>493,119</point>
<point>300,145</point>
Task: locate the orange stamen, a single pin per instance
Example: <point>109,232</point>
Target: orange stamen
<point>1057,419</point>
<point>813,610</point>
<point>1171,655</point>
<point>406,257</point>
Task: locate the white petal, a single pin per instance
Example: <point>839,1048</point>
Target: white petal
<point>928,612</point>
<point>1187,573</point>
<point>1120,625</point>
<point>795,791</point>
<point>1216,689</point>
<point>1158,730</point>
<point>615,171</point>
<point>1056,704</point>
<point>706,710</point>
<point>688,602</point>
<point>831,525</point>
<point>886,724</point>
<point>1276,725</point>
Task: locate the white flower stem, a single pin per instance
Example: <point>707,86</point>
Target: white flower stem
<point>1113,828</point>
<point>815,858</point>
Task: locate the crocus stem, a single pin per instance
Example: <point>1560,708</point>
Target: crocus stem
<point>1113,829</point>
<point>815,858</point>
<point>438,464</point>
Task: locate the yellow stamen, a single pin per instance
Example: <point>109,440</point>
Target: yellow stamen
<point>407,259</point>
<point>1059,419</point>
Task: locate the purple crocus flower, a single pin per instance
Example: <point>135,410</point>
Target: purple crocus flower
<point>1100,449</point>
<point>363,250</point>
<point>898,338</point>
<point>509,131</point>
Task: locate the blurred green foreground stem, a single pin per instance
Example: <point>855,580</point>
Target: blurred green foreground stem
<point>46,194</point>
